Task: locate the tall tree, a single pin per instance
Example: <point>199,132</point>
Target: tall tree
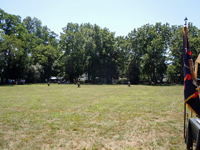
<point>10,51</point>
<point>8,22</point>
<point>175,68</point>
<point>71,43</point>
<point>123,46</point>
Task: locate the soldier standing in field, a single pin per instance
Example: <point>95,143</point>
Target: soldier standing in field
<point>78,83</point>
<point>129,84</point>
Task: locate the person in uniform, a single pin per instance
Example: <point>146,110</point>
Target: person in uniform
<point>129,84</point>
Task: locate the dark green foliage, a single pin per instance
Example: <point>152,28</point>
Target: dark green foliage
<point>148,54</point>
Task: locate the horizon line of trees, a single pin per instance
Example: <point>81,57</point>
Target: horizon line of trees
<point>147,54</point>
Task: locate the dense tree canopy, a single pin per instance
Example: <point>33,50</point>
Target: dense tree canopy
<point>147,54</point>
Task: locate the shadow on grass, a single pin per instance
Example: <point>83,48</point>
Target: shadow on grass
<point>163,84</point>
<point>22,84</point>
<point>7,85</point>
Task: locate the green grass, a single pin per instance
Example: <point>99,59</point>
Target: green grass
<point>91,117</point>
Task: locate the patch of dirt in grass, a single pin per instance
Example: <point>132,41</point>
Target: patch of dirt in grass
<point>137,133</point>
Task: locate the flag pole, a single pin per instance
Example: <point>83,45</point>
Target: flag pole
<point>185,32</point>
<point>184,120</point>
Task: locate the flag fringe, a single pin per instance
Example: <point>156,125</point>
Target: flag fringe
<point>191,109</point>
<point>189,98</point>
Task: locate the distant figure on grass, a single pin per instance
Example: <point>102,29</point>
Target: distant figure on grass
<point>152,83</point>
<point>48,83</point>
<point>129,84</point>
<point>74,81</point>
<point>58,82</point>
<point>78,83</point>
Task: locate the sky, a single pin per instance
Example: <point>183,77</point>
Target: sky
<point>119,16</point>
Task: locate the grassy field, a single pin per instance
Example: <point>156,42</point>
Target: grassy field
<point>91,117</point>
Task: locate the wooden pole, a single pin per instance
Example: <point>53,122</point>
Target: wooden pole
<point>196,66</point>
<point>196,69</point>
<point>185,33</point>
<point>184,120</point>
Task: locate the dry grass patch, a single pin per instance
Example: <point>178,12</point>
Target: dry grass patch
<point>91,117</point>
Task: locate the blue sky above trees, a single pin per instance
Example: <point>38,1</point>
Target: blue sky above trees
<point>119,16</point>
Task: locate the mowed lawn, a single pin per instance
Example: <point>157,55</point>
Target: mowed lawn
<point>91,117</point>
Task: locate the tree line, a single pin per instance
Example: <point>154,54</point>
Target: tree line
<point>147,54</point>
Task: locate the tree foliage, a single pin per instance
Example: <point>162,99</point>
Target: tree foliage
<point>150,53</point>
